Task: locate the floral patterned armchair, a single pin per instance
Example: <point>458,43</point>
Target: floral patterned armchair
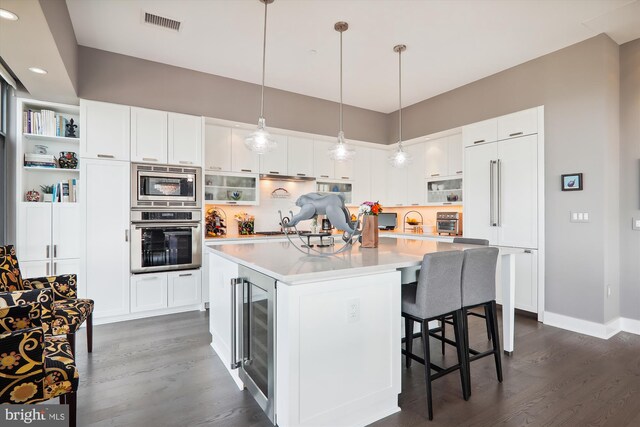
<point>34,366</point>
<point>66,312</point>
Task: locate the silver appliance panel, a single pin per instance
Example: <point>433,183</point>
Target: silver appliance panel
<point>165,186</point>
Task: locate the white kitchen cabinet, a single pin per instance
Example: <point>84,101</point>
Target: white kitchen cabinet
<point>243,159</point>
<point>300,156</point>
<point>379,176</point>
<point>455,155</point>
<point>362,176</point>
<point>518,124</point>
<point>148,135</point>
<point>184,288</point>
<point>105,192</point>
<point>33,269</point>
<point>517,214</point>
<point>66,240</point>
<point>480,132</point>
<point>322,165</point>
<point>397,187</point>
<point>104,130</point>
<point>437,157</point>
<point>217,148</point>
<point>34,231</point>
<point>275,162</point>
<point>416,175</point>
<point>526,294</point>
<point>231,188</point>
<point>479,192</point>
<point>148,292</point>
<point>184,139</point>
<point>344,170</point>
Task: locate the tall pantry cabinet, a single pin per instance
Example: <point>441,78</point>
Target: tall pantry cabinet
<point>502,189</point>
<point>105,174</point>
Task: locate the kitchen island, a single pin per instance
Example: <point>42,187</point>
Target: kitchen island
<point>336,325</point>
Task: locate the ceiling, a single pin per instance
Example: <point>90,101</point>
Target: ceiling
<point>450,43</point>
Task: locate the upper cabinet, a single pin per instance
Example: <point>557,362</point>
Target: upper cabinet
<point>243,159</point>
<point>104,130</point>
<point>322,164</point>
<point>344,170</point>
<point>456,155</point>
<point>379,176</point>
<point>185,139</point>
<point>480,132</point>
<point>362,175</point>
<point>437,157</point>
<point>217,148</point>
<point>416,174</point>
<point>275,162</point>
<point>300,156</point>
<point>148,135</point>
<point>518,124</point>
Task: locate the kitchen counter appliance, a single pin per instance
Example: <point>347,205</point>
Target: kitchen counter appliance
<point>449,223</point>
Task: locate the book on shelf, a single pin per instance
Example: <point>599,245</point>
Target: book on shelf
<point>43,122</point>
<point>65,191</point>
<point>39,160</point>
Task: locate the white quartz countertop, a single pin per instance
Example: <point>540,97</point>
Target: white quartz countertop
<point>259,237</point>
<point>285,263</point>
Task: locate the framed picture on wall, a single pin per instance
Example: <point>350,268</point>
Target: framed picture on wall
<point>572,182</point>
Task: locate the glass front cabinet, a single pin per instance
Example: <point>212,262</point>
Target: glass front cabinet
<point>340,187</point>
<point>444,192</point>
<point>231,188</point>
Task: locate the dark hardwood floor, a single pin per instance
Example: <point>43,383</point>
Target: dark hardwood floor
<point>162,372</point>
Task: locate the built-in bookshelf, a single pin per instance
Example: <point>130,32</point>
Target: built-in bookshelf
<point>45,155</point>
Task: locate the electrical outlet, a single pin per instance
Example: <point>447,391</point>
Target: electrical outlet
<point>353,310</point>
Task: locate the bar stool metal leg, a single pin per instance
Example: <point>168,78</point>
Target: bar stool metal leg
<point>408,333</point>
<point>427,366</point>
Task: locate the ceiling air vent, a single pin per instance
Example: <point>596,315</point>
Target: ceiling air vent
<point>161,21</point>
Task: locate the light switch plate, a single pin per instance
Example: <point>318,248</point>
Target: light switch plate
<point>579,217</point>
<point>636,224</point>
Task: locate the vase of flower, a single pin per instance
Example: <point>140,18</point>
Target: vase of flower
<point>370,232</point>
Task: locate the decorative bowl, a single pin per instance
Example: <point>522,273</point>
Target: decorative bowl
<point>32,196</point>
<point>234,194</point>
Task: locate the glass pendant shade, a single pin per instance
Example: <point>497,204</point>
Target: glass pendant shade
<point>400,158</point>
<point>259,141</point>
<point>340,151</point>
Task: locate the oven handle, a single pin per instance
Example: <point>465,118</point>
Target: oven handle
<point>139,225</point>
<point>235,364</point>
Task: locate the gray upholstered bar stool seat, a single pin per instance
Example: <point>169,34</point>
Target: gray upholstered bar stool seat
<point>485,316</point>
<point>437,293</point>
<point>479,290</point>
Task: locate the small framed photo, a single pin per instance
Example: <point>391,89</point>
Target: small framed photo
<point>572,182</point>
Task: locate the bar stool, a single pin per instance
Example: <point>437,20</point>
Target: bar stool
<point>479,290</point>
<point>485,316</point>
<point>437,293</point>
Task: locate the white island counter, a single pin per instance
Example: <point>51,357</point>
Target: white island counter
<point>336,325</point>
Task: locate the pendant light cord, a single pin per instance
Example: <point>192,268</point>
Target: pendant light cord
<point>400,97</point>
<point>340,81</point>
<point>264,60</point>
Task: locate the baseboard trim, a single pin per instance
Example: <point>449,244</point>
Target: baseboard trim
<point>594,329</point>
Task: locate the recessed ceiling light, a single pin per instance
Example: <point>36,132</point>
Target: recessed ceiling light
<point>10,16</point>
<point>37,70</point>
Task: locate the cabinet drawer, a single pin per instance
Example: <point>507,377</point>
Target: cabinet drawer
<point>518,124</point>
<point>184,288</point>
<point>480,132</point>
<point>148,292</point>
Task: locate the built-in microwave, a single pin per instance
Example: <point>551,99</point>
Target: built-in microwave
<point>165,186</point>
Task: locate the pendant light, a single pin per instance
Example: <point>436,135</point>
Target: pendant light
<point>340,151</point>
<point>400,158</point>
<point>260,141</point>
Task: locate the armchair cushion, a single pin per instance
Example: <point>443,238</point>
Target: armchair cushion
<point>70,314</point>
<point>63,286</point>
<point>61,373</point>
<point>22,366</point>
<point>18,317</point>
<point>10,278</point>
<point>40,301</point>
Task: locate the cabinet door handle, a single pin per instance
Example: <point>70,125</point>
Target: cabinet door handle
<point>516,134</point>
<point>275,172</point>
<point>491,195</point>
<point>301,174</point>
<point>499,163</point>
<point>345,177</point>
<point>458,172</point>
<point>55,251</point>
<point>232,203</point>
<point>415,204</point>
<point>47,270</point>
<point>126,235</point>
<point>447,203</point>
<point>435,174</point>
<point>185,275</point>
<point>47,251</point>
<point>478,141</point>
<point>149,159</point>
<point>55,268</point>
<point>324,176</point>
<point>185,162</point>
<point>215,168</point>
<point>246,170</point>
<point>527,251</point>
<point>106,156</point>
